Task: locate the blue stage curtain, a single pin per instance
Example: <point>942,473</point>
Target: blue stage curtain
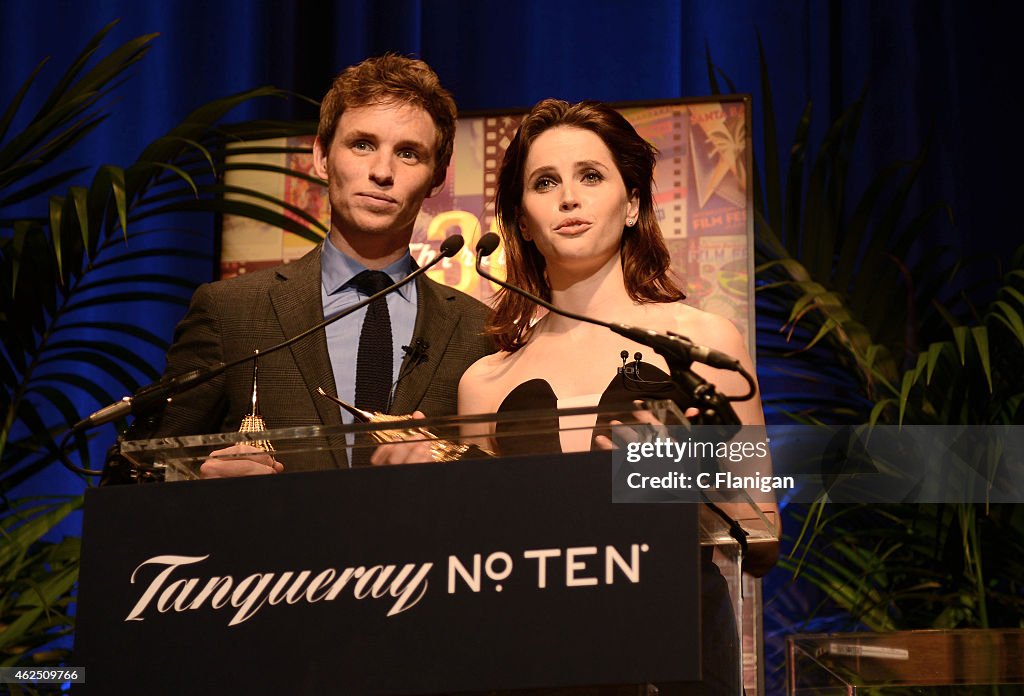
<point>930,68</point>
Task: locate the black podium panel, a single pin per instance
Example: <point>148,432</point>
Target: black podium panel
<point>434,578</point>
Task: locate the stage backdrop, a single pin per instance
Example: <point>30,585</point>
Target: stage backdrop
<point>702,197</point>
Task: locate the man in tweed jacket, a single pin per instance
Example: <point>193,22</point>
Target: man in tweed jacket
<point>383,145</point>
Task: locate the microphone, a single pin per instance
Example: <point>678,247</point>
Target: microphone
<point>159,393</point>
<point>677,350</point>
<point>672,343</point>
<point>417,352</point>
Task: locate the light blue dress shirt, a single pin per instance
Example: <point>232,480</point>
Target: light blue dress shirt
<point>337,269</point>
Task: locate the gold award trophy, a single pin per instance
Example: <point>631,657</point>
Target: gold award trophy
<point>440,450</point>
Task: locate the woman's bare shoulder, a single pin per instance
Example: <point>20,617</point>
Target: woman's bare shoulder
<point>479,385</point>
<point>489,366</point>
<point>699,326</point>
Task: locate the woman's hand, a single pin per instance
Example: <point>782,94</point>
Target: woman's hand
<point>239,460</point>
<point>645,421</point>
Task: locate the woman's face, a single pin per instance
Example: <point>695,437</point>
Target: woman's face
<point>575,203</point>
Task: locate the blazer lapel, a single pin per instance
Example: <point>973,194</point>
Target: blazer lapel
<point>435,324</point>
<point>298,304</point>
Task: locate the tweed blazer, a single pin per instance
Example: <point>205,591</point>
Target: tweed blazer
<point>233,318</point>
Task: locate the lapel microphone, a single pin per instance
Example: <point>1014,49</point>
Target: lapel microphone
<point>417,352</point>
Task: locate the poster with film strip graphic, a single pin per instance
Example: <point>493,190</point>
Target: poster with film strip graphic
<point>702,199</point>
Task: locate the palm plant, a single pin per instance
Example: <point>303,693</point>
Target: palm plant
<point>856,316</point>
<point>70,275</point>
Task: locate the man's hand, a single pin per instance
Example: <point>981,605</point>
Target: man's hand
<point>239,460</point>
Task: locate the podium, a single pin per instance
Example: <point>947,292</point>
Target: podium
<point>481,574</point>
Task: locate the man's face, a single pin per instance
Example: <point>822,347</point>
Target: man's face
<point>379,169</point>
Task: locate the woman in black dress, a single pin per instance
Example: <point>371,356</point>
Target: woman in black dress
<point>576,212</point>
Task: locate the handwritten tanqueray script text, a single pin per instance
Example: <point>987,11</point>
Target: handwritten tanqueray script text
<point>169,588</point>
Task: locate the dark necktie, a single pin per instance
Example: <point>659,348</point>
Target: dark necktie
<point>374,360</point>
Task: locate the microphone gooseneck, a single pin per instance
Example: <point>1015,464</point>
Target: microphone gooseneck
<point>679,352</point>
<point>158,394</point>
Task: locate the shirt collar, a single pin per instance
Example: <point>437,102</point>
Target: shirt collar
<point>337,269</point>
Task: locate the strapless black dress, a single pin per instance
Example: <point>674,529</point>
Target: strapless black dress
<point>535,435</point>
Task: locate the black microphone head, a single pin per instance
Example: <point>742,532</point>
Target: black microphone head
<point>451,246</point>
<point>487,244</point>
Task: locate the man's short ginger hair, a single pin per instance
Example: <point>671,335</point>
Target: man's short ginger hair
<point>392,78</point>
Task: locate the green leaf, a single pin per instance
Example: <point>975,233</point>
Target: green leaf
<point>24,528</point>
<point>1014,293</point>
<point>960,336</point>
<point>68,239</point>
<point>19,97</point>
<point>980,334</point>
<point>109,181</point>
<point>149,164</point>
<point>871,355</point>
<point>22,228</point>
<point>712,80</point>
<point>78,196</point>
<point>56,218</point>
<point>909,378</point>
<point>878,409</point>
<point>165,149</point>
<point>42,598</point>
<point>828,327</point>
<point>199,148</point>
<point>64,84</point>
<point>934,352</point>
<point>102,73</point>
<point>1009,316</point>
<point>38,144</point>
